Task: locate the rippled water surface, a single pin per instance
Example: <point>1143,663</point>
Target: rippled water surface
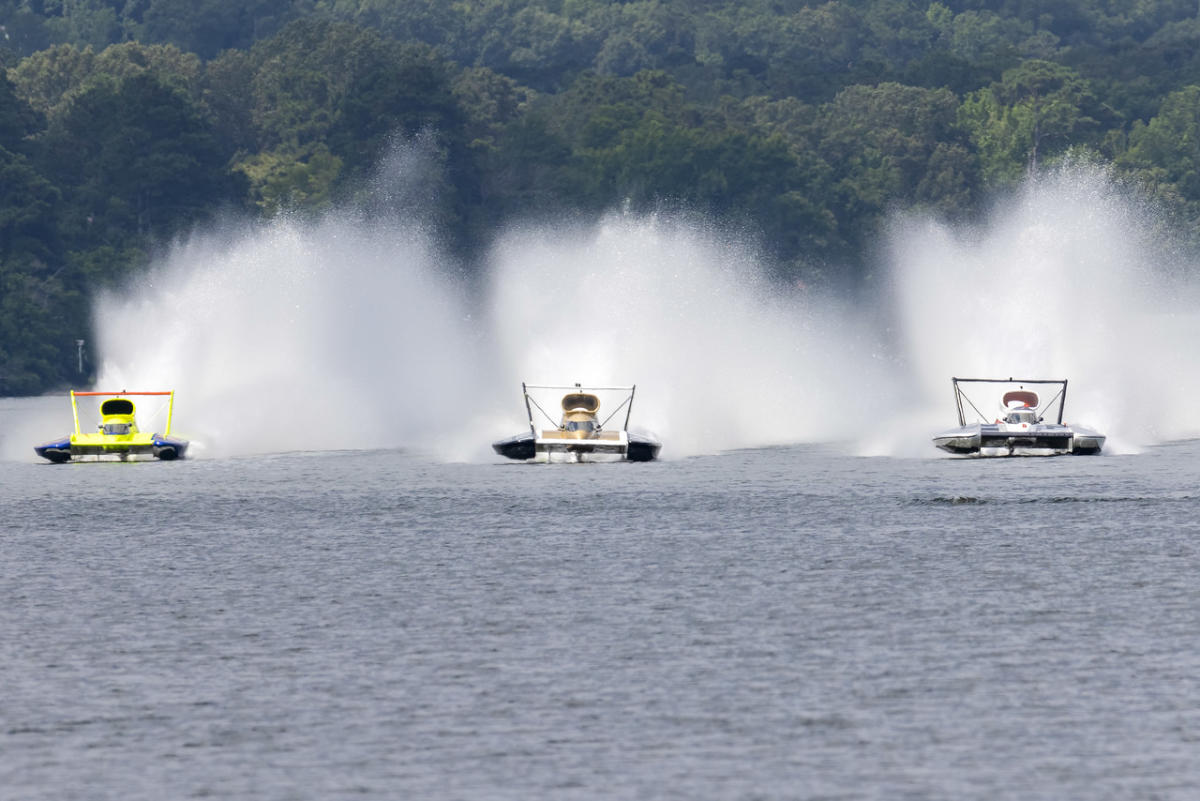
<point>788,623</point>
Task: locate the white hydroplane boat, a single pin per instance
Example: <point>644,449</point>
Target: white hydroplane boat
<point>1020,428</point>
<point>580,435</point>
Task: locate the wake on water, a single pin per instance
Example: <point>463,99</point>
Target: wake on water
<point>353,333</point>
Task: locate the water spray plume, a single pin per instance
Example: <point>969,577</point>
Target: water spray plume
<point>722,357</point>
<point>350,332</point>
<point>1066,279</point>
<point>295,336</point>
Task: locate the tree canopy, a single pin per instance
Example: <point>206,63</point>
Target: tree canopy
<point>125,124</point>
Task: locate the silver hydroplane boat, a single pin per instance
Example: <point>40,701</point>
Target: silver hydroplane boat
<point>1020,428</point>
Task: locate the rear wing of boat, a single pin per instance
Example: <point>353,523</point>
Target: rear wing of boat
<point>959,396</point>
<point>531,403</point>
<point>170,404</point>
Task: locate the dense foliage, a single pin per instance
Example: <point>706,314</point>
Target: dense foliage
<point>124,123</point>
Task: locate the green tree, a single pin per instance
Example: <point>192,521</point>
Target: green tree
<point>809,53</point>
<point>326,101</point>
<point>313,73</point>
<point>51,79</point>
<point>40,318</point>
<point>894,145</point>
<point>537,47</point>
<point>296,181</point>
<point>18,119</point>
<point>48,79</point>
<point>434,22</point>
<point>532,171</point>
<point>1034,106</point>
<point>403,90</point>
<point>227,89</point>
<point>28,205</point>
<point>488,101</point>
<point>171,66</point>
<point>1170,142</point>
<point>24,29</point>
<point>206,27</point>
<point>40,314</point>
<point>33,296</point>
<point>139,160</point>
<point>1164,156</point>
<point>91,23</point>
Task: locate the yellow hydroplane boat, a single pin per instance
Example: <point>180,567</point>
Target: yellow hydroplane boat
<point>118,436</point>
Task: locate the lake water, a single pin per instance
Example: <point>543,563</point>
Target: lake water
<point>785,623</point>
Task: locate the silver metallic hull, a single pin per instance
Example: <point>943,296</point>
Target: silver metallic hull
<point>1000,439</point>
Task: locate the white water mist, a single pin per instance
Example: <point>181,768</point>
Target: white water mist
<point>293,337</point>
<point>350,332</point>
<point>723,358</point>
<point>344,334</point>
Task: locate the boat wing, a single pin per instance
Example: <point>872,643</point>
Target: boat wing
<point>606,401</point>
<point>168,393</point>
<point>1016,389</point>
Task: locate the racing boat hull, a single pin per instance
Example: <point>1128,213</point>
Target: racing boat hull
<point>527,447</point>
<point>1000,439</point>
<point>153,447</point>
<point>522,447</point>
<point>580,435</point>
<point>1024,425</point>
<point>642,449</point>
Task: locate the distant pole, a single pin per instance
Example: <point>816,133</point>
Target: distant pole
<point>79,346</point>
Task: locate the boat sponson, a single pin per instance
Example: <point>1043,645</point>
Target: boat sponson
<point>520,447</point>
<point>1087,443</point>
<point>169,449</point>
<point>58,451</point>
<point>642,450</point>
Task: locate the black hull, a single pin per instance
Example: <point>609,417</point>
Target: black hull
<point>642,450</point>
<point>520,447</point>
<point>523,447</point>
<point>55,455</point>
<point>169,449</point>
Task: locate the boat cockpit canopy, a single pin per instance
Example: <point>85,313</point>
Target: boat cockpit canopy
<point>116,406</point>
<point>580,402</point>
<point>1022,397</point>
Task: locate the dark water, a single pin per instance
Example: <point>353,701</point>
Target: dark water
<point>789,623</point>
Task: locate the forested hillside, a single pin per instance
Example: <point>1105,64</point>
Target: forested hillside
<point>125,123</point>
